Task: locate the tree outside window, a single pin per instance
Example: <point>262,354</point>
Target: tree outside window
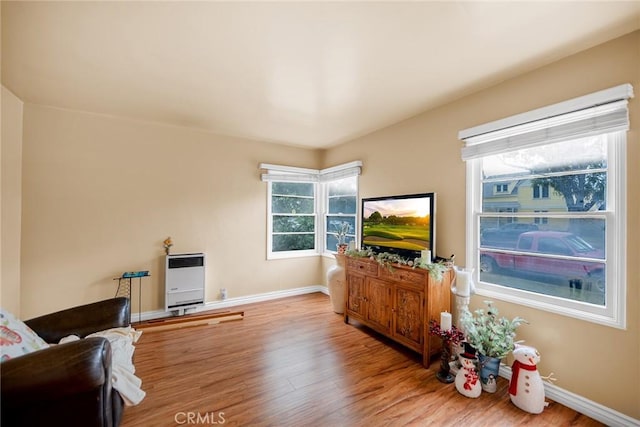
<point>293,216</point>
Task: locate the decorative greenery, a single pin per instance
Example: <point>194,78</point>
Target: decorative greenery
<point>488,334</point>
<point>436,269</point>
<point>360,253</point>
<point>387,260</point>
<point>453,335</point>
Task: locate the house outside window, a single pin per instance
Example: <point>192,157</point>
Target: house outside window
<point>307,207</point>
<point>562,248</point>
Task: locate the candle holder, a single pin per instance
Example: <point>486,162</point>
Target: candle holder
<point>448,337</point>
<point>462,287</point>
<point>444,375</point>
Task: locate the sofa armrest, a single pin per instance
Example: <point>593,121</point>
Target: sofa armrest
<point>51,374</point>
<point>82,320</point>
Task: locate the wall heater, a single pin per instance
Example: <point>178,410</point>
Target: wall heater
<point>184,282</point>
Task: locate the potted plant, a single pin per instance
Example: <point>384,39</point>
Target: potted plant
<point>492,337</point>
<point>341,234</point>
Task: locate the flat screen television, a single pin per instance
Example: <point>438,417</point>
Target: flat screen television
<point>402,225</point>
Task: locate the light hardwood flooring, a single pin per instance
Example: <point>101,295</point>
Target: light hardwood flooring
<point>293,362</point>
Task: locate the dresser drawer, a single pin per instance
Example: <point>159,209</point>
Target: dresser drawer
<point>404,276</point>
<point>364,266</point>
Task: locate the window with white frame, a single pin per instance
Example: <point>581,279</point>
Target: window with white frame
<point>310,210</point>
<point>502,188</point>
<point>564,250</point>
<point>293,216</point>
<point>341,204</point>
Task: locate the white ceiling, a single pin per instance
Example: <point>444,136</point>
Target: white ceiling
<point>312,74</point>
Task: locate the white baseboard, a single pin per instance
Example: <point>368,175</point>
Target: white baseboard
<point>571,400</point>
<point>581,404</point>
<point>231,302</point>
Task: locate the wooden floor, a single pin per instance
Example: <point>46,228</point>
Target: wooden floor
<point>293,362</point>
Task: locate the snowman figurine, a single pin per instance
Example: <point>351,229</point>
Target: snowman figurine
<point>467,379</point>
<point>526,389</point>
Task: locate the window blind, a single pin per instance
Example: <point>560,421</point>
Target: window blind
<point>602,112</point>
<point>280,173</point>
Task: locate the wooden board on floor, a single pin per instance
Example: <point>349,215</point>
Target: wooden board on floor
<point>189,320</point>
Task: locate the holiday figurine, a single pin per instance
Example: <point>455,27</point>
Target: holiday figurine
<point>526,389</point>
<point>467,379</point>
<point>492,384</point>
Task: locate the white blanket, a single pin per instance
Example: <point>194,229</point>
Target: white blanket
<point>122,368</point>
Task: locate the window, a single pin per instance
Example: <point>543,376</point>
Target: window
<point>342,207</point>
<point>567,254</point>
<point>293,219</point>
<point>308,207</point>
<point>541,191</point>
<point>541,220</point>
<point>502,188</point>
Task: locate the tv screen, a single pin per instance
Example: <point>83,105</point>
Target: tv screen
<point>403,225</point>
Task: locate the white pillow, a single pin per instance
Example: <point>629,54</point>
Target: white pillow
<point>16,338</point>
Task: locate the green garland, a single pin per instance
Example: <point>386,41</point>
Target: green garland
<point>387,260</point>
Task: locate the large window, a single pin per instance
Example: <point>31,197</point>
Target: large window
<point>558,242</point>
<point>309,210</point>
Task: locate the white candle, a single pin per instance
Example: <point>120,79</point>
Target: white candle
<point>426,255</point>
<point>463,283</point>
<point>445,321</point>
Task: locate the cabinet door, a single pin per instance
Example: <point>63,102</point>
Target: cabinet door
<point>356,294</point>
<point>408,316</point>
<point>379,304</point>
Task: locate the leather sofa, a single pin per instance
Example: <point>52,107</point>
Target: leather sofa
<point>67,384</point>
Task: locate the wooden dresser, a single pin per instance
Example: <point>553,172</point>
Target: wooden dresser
<point>397,302</point>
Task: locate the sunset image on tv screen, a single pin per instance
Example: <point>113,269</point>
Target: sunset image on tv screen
<point>397,223</point>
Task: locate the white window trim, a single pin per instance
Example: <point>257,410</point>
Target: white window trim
<point>324,213</point>
<point>614,311</point>
<point>295,174</point>
<point>280,173</point>
<point>288,254</point>
<point>617,93</point>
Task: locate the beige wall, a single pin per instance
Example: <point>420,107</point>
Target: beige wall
<point>12,109</point>
<point>423,154</point>
<point>100,195</point>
